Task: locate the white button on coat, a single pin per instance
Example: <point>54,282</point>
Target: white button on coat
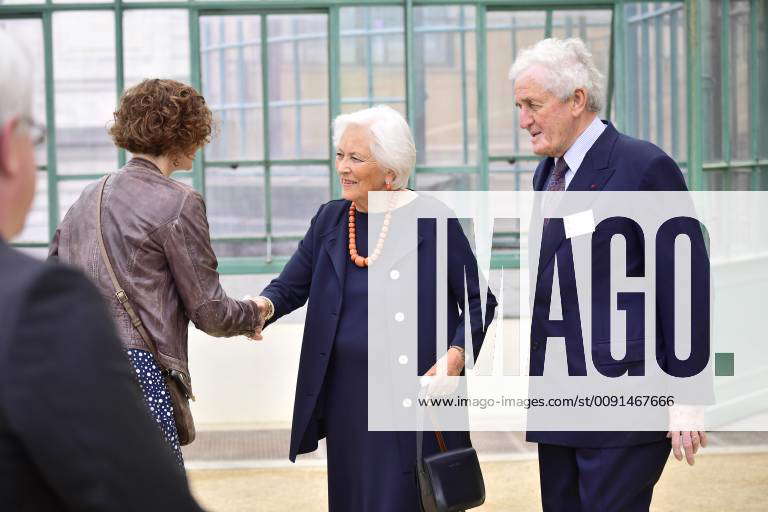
<point>399,316</point>
<point>395,274</point>
<point>407,402</point>
<point>403,359</point>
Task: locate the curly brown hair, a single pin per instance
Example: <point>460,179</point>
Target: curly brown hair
<point>161,117</point>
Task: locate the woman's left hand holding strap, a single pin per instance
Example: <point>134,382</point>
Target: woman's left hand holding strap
<point>450,365</point>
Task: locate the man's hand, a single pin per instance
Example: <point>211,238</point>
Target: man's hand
<point>684,424</point>
<point>690,442</point>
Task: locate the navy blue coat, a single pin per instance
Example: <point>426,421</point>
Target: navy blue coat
<point>616,162</point>
<point>316,272</point>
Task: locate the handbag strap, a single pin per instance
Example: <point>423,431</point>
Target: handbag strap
<point>420,428</point>
<point>122,297</point>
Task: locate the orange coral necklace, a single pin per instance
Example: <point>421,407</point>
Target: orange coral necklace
<point>362,261</point>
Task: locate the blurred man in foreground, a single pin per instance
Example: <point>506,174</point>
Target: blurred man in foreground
<point>73,433</point>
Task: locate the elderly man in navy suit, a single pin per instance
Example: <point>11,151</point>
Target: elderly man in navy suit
<point>559,92</point>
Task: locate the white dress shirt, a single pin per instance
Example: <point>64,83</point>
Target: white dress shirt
<point>576,153</point>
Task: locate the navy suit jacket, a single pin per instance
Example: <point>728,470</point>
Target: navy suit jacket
<point>316,273</point>
<point>616,162</point>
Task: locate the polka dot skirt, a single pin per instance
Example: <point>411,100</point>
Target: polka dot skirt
<point>156,397</point>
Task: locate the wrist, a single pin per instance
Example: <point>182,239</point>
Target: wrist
<point>459,352</point>
<point>264,305</point>
<point>269,307</point>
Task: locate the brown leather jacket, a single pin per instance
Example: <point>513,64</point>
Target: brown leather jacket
<point>156,233</point>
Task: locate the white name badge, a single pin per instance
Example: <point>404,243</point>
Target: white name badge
<point>578,224</point>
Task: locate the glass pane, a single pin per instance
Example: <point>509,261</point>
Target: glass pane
<point>241,249</point>
<point>296,194</point>
<point>508,33</point>
<point>84,75</point>
<point>655,84</point>
<point>29,33</point>
<point>714,180</point>
<point>741,130</point>
<point>69,192</point>
<point>36,226</point>
<point>515,176</point>
<point>282,248</point>
<point>447,181</point>
<point>675,67</point>
<point>741,179</point>
<point>712,81</point>
<point>187,180</point>
<point>372,57</point>
<point>352,107</point>
<point>230,55</point>
<point>235,201</point>
<point>146,31</point>
<point>444,51</point>
<point>506,235</point>
<point>298,86</point>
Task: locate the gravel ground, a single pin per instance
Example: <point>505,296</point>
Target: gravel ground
<point>717,483</point>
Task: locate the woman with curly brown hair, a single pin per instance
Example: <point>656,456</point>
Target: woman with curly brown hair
<point>155,267</point>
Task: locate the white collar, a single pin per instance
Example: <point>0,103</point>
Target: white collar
<point>578,150</point>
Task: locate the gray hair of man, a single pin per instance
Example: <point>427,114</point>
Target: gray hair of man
<point>566,65</point>
<point>15,79</point>
<point>392,143</point>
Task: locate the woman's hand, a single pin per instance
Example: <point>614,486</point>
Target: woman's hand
<point>452,364</point>
<point>454,359</point>
<point>266,310</point>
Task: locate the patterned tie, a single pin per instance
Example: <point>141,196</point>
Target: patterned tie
<point>556,181</point>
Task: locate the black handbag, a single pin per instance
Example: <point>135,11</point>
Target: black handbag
<point>449,481</point>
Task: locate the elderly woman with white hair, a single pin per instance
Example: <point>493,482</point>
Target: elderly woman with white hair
<point>367,471</point>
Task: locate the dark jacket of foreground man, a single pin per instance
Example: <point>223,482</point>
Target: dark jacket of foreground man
<point>73,433</point>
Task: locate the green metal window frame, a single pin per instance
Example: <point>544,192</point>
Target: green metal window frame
<point>758,110</point>
<point>619,108</point>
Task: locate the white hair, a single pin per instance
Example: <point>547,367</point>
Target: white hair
<point>391,140</point>
<point>567,65</point>
<point>15,79</point>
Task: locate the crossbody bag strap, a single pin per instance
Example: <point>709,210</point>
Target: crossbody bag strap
<point>420,427</point>
<point>122,297</point>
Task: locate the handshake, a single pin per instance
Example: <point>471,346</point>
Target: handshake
<point>266,311</point>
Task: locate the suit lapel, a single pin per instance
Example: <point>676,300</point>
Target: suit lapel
<point>592,176</point>
<point>336,245</point>
<point>595,169</point>
<point>540,179</point>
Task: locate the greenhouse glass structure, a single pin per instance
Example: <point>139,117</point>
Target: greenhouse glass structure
<point>689,76</point>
